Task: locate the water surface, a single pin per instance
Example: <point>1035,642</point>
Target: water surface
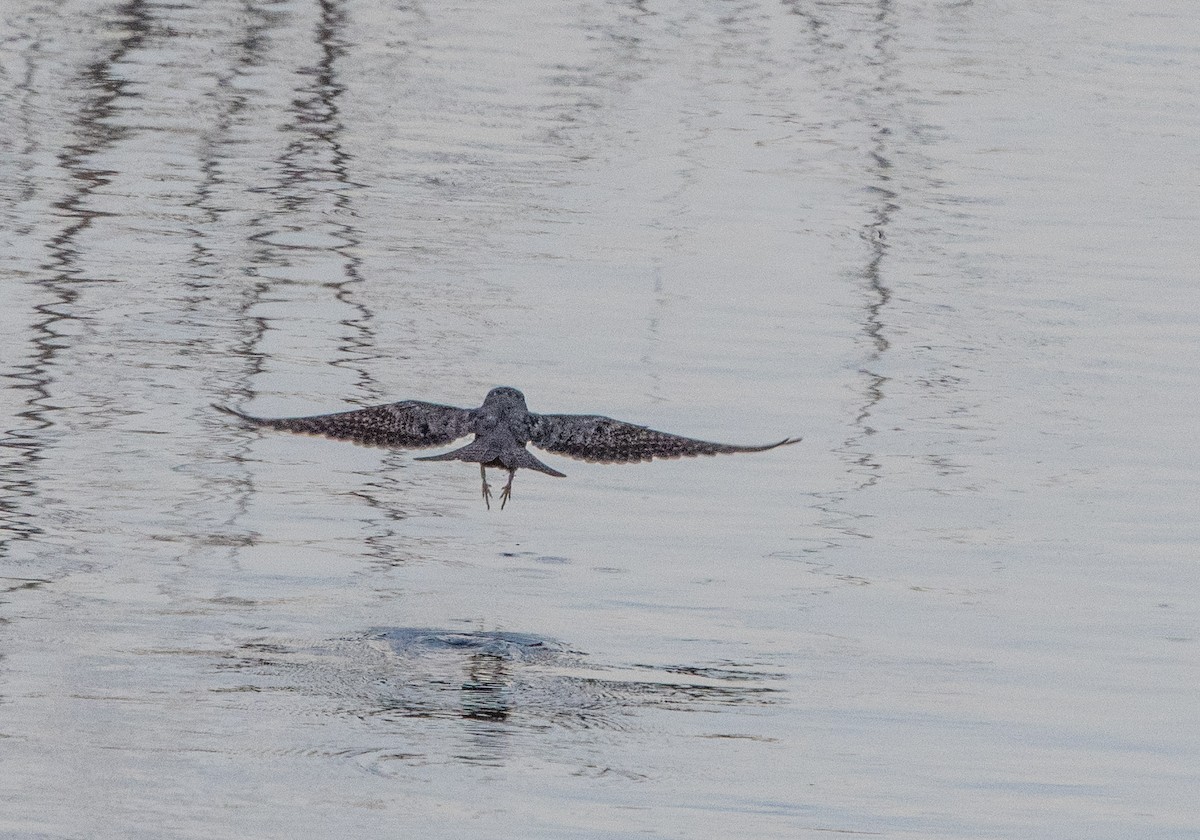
<point>951,244</point>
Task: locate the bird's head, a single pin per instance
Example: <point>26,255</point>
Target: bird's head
<point>503,397</point>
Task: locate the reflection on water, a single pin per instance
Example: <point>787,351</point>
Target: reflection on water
<point>879,104</point>
<point>500,685</point>
<point>314,192</point>
<point>59,275</point>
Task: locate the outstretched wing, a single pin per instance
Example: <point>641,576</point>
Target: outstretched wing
<point>604,440</point>
<point>404,425</point>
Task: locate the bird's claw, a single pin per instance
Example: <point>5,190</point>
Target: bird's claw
<point>506,493</point>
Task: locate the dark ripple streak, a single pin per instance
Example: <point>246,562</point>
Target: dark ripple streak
<point>836,33</point>
<point>885,206</point>
<point>64,277</point>
<point>208,282</point>
<point>314,191</point>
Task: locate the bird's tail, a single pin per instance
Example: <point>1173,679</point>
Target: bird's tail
<point>526,460</point>
<point>479,453</point>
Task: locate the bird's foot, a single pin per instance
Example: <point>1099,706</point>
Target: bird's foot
<point>506,493</point>
<point>487,490</point>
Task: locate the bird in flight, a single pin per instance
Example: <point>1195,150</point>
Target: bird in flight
<point>502,426</point>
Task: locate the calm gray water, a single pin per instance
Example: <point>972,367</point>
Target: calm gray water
<point>953,244</point>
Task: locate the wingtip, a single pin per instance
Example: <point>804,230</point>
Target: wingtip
<point>224,409</point>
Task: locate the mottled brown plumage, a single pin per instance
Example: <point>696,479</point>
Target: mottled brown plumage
<point>502,427</point>
<point>403,425</point>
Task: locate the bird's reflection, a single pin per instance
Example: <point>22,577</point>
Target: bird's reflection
<point>486,708</point>
<point>484,689</point>
<point>495,686</point>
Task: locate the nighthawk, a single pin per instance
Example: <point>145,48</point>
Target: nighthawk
<point>502,427</point>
